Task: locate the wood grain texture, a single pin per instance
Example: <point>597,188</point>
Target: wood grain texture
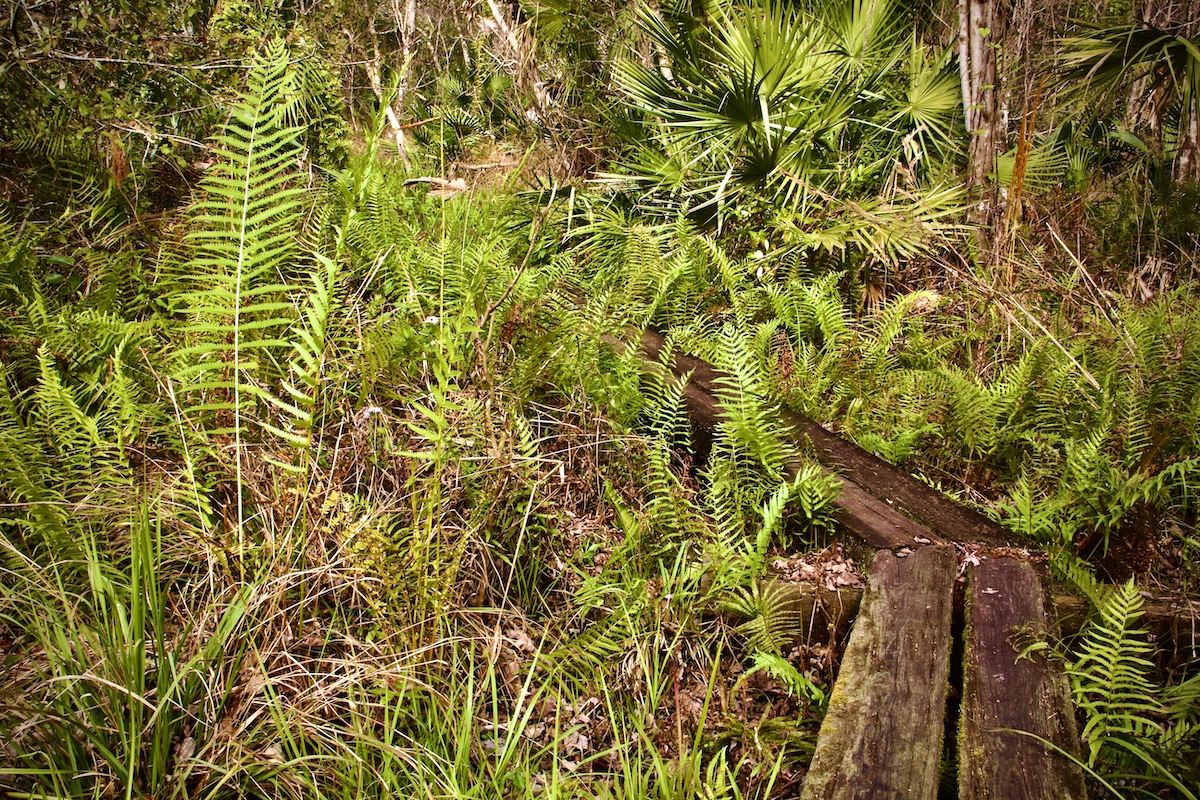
<point>882,737</point>
<point>1002,694</point>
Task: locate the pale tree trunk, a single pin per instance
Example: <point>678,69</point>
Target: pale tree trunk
<point>1182,18</point>
<point>979,27</point>
<point>406,23</point>
<point>1186,168</point>
<point>374,69</point>
<point>526,68</point>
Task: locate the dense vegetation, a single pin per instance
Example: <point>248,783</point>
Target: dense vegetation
<point>324,470</point>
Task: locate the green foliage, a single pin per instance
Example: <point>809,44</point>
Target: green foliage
<point>1123,711</point>
<point>1110,678</point>
<point>1078,437</point>
<point>359,494</point>
<point>771,619</point>
<point>244,237</point>
<point>118,688</point>
<point>1105,60</point>
<point>815,120</point>
<point>797,682</point>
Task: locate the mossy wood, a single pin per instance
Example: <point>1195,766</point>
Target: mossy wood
<point>882,737</point>
<point>1004,694</point>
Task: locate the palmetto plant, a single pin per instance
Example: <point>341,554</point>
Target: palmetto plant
<point>829,121</point>
<point>1112,59</point>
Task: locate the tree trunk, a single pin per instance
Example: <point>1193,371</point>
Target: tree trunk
<point>374,70</point>
<point>1186,168</point>
<point>979,25</point>
<point>526,67</point>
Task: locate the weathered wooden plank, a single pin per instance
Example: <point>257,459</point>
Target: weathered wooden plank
<point>1003,694</point>
<point>875,523</point>
<point>882,736</point>
<point>899,489</point>
<point>859,512</point>
<point>893,486</point>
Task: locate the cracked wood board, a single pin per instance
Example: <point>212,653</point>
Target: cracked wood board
<point>1003,694</point>
<point>882,736</point>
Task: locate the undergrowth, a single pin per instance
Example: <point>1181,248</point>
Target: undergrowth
<point>352,497</point>
<point>337,486</point>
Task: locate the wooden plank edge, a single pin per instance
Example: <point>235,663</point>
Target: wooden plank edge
<point>946,518</point>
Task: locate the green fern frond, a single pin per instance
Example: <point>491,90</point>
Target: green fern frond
<point>594,648</point>
<point>772,618</point>
<point>670,508</point>
<point>665,410</point>
<point>71,428</point>
<point>243,234</point>
<point>526,444</point>
<point>772,521</point>
<point>1079,574</point>
<point>1110,678</point>
<point>1182,701</point>
<point>309,342</point>
<point>28,479</point>
<point>783,671</point>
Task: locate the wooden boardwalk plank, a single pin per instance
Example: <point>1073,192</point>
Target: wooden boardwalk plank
<point>882,737</point>
<point>892,485</point>
<point>1001,692</point>
<point>859,512</point>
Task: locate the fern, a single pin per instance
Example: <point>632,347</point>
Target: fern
<point>72,428</point>
<point>747,430</point>
<point>772,619</point>
<point>27,480</point>
<point>244,238</point>
<point>309,343</point>
<point>1079,574</point>
<point>1110,678</point>
<point>664,410</point>
<point>783,671</point>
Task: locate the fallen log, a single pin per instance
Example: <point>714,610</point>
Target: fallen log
<point>894,487</point>
<point>1017,732</point>
<point>859,512</point>
<point>1172,625</point>
<point>882,736</point>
